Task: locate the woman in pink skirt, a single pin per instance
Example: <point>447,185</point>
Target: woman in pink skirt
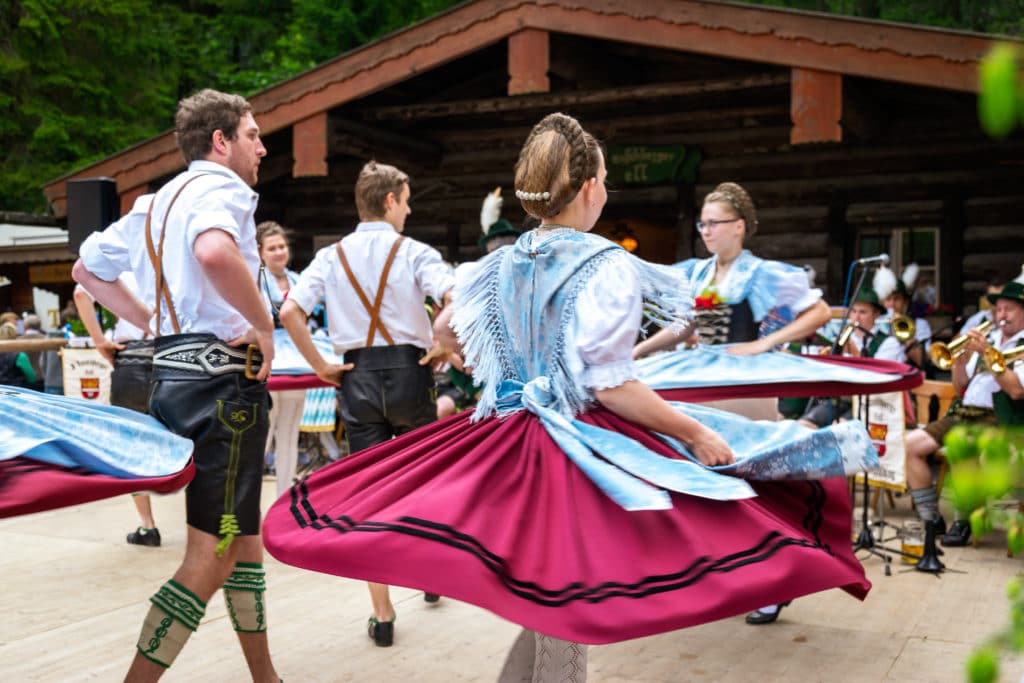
<point>574,501</point>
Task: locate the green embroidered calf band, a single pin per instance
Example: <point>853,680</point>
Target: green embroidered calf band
<point>180,603</point>
<point>243,595</point>
<point>173,616</point>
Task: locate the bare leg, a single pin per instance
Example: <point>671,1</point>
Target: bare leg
<point>380,596</point>
<point>145,509</point>
<point>202,572</point>
<point>919,445</point>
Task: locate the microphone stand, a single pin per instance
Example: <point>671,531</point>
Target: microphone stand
<point>865,539</point>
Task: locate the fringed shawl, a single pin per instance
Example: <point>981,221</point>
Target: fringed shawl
<point>514,308</point>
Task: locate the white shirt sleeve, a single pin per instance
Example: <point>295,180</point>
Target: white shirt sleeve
<point>216,207</point>
<point>310,289</point>
<point>433,275</point>
<point>891,349</point>
<point>106,254</point>
<point>608,314</point>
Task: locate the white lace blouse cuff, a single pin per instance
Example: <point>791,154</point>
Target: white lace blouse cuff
<point>609,375</point>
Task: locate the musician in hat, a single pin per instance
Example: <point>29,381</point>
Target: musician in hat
<point>979,384</point>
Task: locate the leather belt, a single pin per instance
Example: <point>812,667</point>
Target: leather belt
<point>200,353</point>
<point>385,357</point>
<point>973,411</point>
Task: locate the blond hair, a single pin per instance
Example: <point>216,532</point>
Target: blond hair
<point>556,159</point>
<point>736,197</point>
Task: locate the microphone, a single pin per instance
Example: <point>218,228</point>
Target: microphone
<point>881,258</point>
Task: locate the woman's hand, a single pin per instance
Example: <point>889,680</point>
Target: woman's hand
<point>750,348</point>
<point>711,449</point>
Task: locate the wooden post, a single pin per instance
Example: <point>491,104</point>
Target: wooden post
<point>309,146</point>
<point>815,106</point>
<point>528,61</point>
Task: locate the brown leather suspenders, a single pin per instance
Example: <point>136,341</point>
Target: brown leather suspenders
<point>374,310</point>
<point>156,257</point>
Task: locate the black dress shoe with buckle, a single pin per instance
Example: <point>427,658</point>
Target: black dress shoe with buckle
<point>958,535</point>
<point>382,632</point>
<point>144,536</point>
<point>431,597</point>
<point>758,617</point>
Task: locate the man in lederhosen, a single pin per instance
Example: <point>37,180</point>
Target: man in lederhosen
<point>200,240</point>
<point>374,283</point>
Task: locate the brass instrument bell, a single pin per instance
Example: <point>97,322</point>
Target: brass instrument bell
<point>903,328</point>
<point>942,355</point>
<point>998,361</point>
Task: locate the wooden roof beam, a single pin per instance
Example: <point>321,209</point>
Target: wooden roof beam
<point>528,62</point>
<point>433,110</point>
<point>309,146</point>
<point>816,106</point>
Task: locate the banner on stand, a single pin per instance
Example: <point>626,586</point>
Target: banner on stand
<point>885,425</point>
<point>86,375</point>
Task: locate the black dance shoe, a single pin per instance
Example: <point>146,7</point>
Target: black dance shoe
<point>382,632</point>
<point>958,535</point>
<point>431,597</point>
<point>757,617</point>
<point>144,536</point>
<point>929,561</point>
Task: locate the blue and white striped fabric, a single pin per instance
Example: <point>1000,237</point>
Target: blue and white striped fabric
<point>318,411</point>
<point>73,432</point>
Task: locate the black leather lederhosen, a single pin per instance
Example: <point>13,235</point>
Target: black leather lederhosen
<point>200,392</point>
<point>133,374</point>
<point>225,415</point>
<point>388,393</point>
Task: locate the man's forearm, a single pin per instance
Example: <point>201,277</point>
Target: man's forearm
<point>114,295</point>
<point>293,318</point>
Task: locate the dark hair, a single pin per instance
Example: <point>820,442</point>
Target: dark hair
<point>557,158</point>
<point>375,182</point>
<point>736,197</point>
<point>201,114</point>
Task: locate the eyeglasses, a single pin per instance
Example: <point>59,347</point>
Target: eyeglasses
<point>708,225</point>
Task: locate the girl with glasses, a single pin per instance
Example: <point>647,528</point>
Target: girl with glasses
<point>734,290</point>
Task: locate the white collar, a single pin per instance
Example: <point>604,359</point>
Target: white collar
<point>370,226</point>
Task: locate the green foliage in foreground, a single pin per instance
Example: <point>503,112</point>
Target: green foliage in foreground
<point>986,465</point>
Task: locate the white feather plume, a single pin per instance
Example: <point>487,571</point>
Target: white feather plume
<point>490,212</point>
<point>910,275</point>
<point>884,282</point>
<point>1020,278</point>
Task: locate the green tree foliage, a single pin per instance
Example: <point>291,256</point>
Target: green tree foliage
<point>82,79</point>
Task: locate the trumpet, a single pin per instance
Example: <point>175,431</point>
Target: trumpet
<point>999,361</point>
<point>942,355</point>
<point>844,335</point>
<point>903,328</point>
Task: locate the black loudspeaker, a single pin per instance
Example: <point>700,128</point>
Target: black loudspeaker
<point>93,204</point>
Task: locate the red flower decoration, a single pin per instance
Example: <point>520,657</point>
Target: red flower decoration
<point>707,299</point>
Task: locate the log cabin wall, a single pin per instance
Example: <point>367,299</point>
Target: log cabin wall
<point>910,158</point>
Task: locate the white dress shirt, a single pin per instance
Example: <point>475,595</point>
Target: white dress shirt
<point>417,272</point>
<point>217,200</point>
<point>889,349</point>
<point>983,385</point>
